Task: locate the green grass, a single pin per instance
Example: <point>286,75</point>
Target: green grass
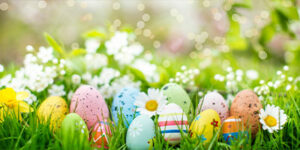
<point>29,134</point>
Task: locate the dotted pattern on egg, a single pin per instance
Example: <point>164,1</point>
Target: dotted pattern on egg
<point>89,105</point>
<point>215,101</point>
<point>54,107</point>
<point>124,101</point>
<point>246,106</point>
<point>176,94</point>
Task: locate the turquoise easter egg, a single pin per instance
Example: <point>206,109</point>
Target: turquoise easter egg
<point>140,132</point>
<point>123,103</point>
<point>176,94</point>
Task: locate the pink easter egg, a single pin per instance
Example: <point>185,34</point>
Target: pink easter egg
<point>88,103</point>
<point>215,101</point>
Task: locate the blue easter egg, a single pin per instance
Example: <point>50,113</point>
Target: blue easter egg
<point>123,103</point>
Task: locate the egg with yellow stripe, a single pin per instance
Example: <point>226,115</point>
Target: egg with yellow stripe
<point>173,122</point>
<point>205,124</point>
<point>233,128</point>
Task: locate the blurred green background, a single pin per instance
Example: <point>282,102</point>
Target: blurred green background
<point>265,30</point>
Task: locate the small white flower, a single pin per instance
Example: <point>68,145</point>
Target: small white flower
<point>57,90</point>
<point>32,98</point>
<point>200,93</point>
<point>252,74</point>
<point>152,103</point>
<point>229,69</point>
<point>76,79</point>
<point>286,68</point>
<point>29,48</point>
<point>108,74</point>
<point>279,73</point>
<point>290,79</point>
<point>148,69</point>
<point>92,45</point>
<point>1,68</point>
<point>272,118</point>
<point>45,54</point>
<point>70,95</point>
<point>261,81</point>
<point>288,87</point>
<point>95,61</point>
<point>136,129</point>
<point>87,76</point>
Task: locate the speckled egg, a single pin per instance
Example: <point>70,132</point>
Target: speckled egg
<point>101,134</point>
<point>54,108</point>
<point>204,125</point>
<point>246,106</point>
<point>74,130</point>
<point>232,129</point>
<point>88,103</point>
<point>123,103</point>
<point>140,133</point>
<point>176,94</point>
<point>215,101</point>
<point>172,121</point>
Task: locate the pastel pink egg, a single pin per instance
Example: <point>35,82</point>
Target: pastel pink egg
<point>88,103</point>
<point>215,101</point>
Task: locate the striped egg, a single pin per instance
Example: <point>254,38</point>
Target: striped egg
<point>233,128</point>
<point>172,121</point>
<point>100,133</point>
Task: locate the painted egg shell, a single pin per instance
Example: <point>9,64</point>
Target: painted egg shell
<point>204,125</point>
<point>176,94</point>
<point>246,106</point>
<point>172,121</point>
<point>100,133</point>
<point>74,130</point>
<point>233,128</point>
<point>215,101</point>
<point>140,133</point>
<point>124,101</point>
<point>54,107</point>
<point>88,103</point>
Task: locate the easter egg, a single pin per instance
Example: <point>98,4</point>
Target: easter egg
<point>140,133</point>
<point>176,94</point>
<point>172,121</point>
<point>232,129</point>
<point>53,109</point>
<point>88,103</point>
<point>123,103</point>
<point>205,124</point>
<point>215,101</point>
<point>246,106</point>
<point>74,130</point>
<point>100,134</point>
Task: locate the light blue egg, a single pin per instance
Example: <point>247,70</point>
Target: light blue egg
<point>139,133</point>
<point>123,103</point>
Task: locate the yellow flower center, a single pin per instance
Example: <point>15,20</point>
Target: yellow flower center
<point>151,105</point>
<point>270,121</point>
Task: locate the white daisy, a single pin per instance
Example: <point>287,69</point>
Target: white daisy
<point>272,118</point>
<point>136,129</point>
<point>150,104</point>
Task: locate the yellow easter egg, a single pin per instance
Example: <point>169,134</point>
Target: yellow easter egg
<point>53,109</point>
<point>205,124</point>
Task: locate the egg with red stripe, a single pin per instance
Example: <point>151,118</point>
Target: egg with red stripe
<point>172,122</point>
<point>100,134</point>
<point>233,128</point>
